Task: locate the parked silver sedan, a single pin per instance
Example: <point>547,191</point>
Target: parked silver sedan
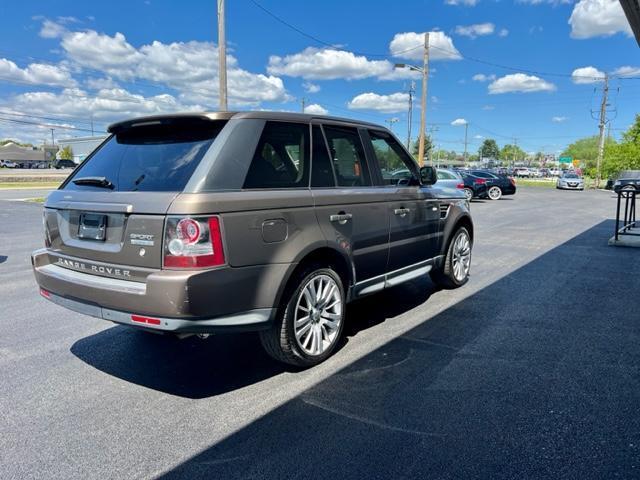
<point>449,178</point>
<point>570,181</point>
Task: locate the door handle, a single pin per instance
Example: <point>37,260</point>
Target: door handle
<point>341,218</point>
<point>402,212</point>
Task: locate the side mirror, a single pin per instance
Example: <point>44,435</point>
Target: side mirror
<point>428,175</point>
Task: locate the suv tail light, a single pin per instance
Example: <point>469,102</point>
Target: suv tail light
<point>460,185</point>
<point>513,181</point>
<point>479,181</point>
<point>193,242</point>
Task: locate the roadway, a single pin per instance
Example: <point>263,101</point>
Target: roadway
<point>529,371</point>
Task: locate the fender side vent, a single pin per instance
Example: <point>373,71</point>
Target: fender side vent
<point>444,210</point>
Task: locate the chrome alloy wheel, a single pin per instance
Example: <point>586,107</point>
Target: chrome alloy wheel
<point>461,256</point>
<point>318,315</point>
<point>495,193</point>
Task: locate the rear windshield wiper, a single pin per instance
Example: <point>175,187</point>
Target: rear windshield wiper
<point>103,182</point>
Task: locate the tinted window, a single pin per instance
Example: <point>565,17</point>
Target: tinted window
<point>442,175</point>
<point>158,158</point>
<point>394,162</point>
<point>281,159</point>
<point>347,153</point>
<point>483,175</point>
<point>321,171</point>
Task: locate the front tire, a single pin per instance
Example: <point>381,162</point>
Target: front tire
<point>469,193</point>
<point>457,263</point>
<point>495,193</point>
<point>310,320</point>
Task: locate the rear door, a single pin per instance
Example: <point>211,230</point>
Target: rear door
<point>413,211</point>
<point>351,212</point>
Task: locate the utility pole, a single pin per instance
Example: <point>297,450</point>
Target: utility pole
<point>53,142</point>
<point>425,77</point>
<point>412,89</point>
<point>466,141</point>
<point>391,121</point>
<point>302,103</point>
<point>222,58</point>
<point>515,146</point>
<point>92,125</point>
<point>602,124</point>
<point>432,131</point>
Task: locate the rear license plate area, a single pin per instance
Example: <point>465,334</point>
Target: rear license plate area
<point>92,226</point>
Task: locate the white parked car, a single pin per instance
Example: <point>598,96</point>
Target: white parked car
<point>8,164</point>
<point>555,172</point>
<point>522,172</point>
<point>570,181</point>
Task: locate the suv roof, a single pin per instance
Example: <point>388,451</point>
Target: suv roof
<point>282,116</point>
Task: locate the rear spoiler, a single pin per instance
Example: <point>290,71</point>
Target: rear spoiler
<point>181,119</point>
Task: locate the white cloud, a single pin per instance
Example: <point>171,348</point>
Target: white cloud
<point>519,82</point>
<point>627,72</point>
<point>587,75</point>
<point>478,137</point>
<point>191,68</point>
<point>467,3</point>
<point>315,109</point>
<point>311,87</point>
<point>36,74</point>
<point>595,18</point>
<point>100,83</point>
<point>475,30</point>
<point>107,104</point>
<point>559,119</point>
<point>51,29</point>
<point>458,122</point>
<point>409,45</point>
<point>488,107</point>
<point>328,64</point>
<point>503,32</point>
<point>395,102</point>
<point>481,77</point>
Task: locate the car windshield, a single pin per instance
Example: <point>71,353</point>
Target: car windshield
<point>153,158</point>
<point>571,175</point>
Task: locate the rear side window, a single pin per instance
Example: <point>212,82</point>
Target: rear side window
<point>347,153</point>
<point>442,175</point>
<point>157,158</point>
<point>281,159</point>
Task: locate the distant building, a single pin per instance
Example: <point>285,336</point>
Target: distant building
<point>24,157</point>
<point>81,146</point>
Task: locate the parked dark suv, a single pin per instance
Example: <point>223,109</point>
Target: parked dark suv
<point>253,221</point>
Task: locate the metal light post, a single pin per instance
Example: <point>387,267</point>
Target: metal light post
<point>425,77</point>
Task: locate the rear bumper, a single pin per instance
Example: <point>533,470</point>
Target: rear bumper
<point>200,301</point>
<point>253,320</point>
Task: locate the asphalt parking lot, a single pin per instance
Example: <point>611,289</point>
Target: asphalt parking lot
<point>532,370</point>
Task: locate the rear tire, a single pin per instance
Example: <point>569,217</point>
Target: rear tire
<point>495,193</point>
<point>469,193</point>
<point>310,320</point>
<point>455,271</point>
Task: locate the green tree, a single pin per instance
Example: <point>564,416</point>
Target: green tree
<point>512,153</point>
<point>66,153</point>
<point>489,149</point>
<point>624,155</point>
<point>428,145</point>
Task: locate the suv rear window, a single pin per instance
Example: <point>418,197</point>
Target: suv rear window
<point>155,158</point>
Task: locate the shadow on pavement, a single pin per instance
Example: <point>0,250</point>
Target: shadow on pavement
<point>195,368</point>
<point>535,376</point>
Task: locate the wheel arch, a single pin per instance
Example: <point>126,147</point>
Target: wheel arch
<point>322,255</point>
<point>463,220</point>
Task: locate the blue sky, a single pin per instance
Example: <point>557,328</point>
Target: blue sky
<point>64,63</point>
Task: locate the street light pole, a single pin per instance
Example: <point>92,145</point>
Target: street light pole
<point>222,58</point>
<point>425,77</point>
